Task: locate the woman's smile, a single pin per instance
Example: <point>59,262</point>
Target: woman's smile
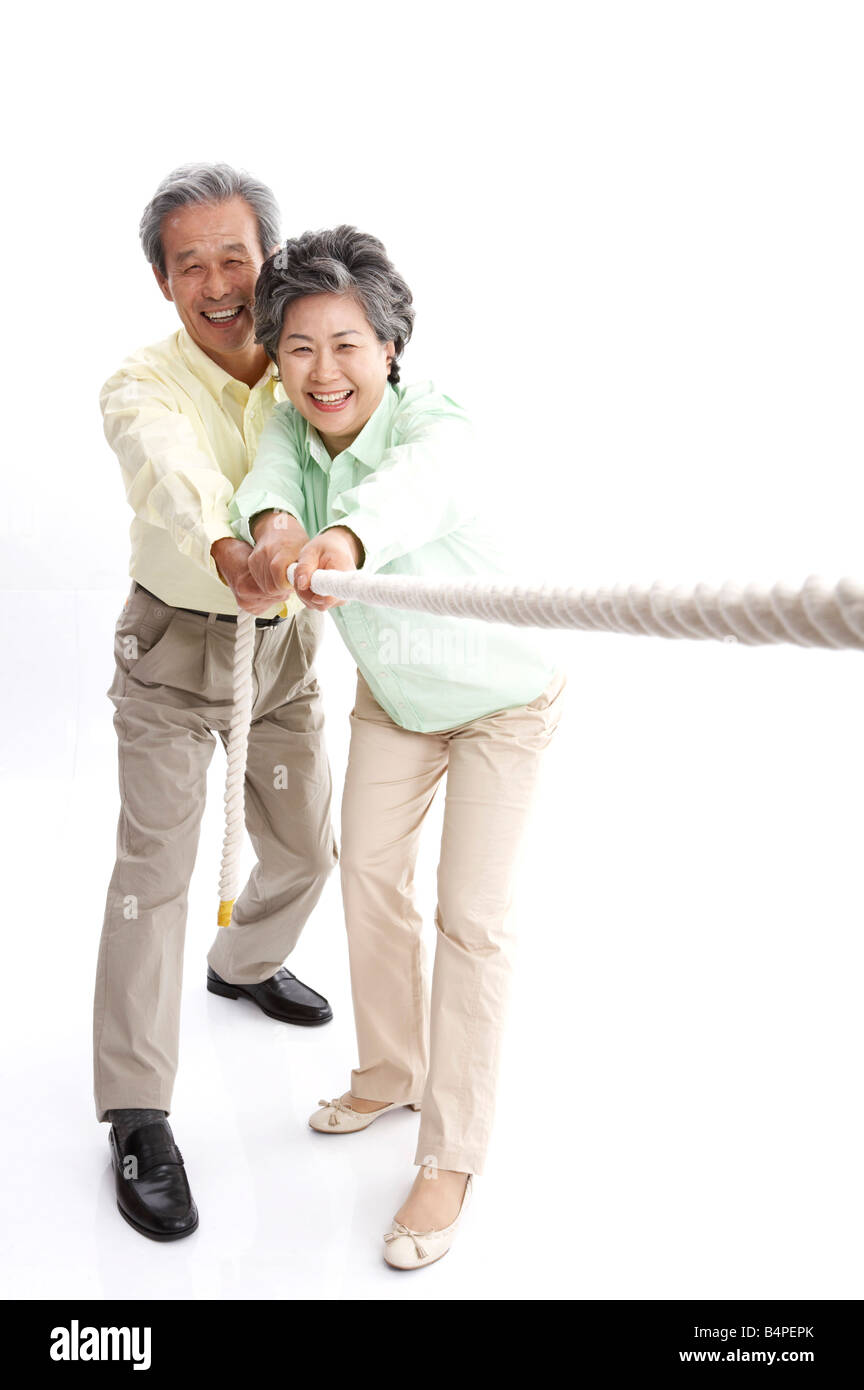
<point>330,401</point>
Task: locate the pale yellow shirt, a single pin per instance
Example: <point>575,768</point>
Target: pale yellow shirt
<point>185,433</point>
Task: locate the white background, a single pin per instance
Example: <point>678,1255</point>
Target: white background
<point>634,235</point>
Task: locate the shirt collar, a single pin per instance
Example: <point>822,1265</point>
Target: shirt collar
<point>214,377</point>
<point>370,443</point>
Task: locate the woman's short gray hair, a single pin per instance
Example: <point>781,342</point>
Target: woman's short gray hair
<point>207,183</point>
<point>339,261</point>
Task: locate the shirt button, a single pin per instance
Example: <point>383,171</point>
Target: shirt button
<point>159,612</point>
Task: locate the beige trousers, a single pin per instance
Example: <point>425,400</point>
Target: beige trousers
<point>172,689</point>
<point>441,1048</point>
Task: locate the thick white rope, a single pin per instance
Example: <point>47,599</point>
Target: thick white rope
<point>812,616</point>
<point>235,781</point>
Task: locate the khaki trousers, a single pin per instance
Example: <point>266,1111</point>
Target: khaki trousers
<point>172,689</point>
<point>441,1048</point>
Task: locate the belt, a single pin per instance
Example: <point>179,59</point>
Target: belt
<point>200,613</point>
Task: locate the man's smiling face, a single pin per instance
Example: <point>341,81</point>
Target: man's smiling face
<point>212,260</point>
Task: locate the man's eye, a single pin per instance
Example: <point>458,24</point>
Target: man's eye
<point>300,349</point>
<point>233,262</point>
<point>190,268</point>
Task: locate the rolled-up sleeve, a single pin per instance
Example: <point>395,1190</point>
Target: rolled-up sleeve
<point>275,479</point>
<point>171,481</point>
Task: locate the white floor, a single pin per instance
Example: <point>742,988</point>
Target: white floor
<point>679,1113</point>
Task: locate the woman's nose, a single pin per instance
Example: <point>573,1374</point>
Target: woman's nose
<point>325,368</point>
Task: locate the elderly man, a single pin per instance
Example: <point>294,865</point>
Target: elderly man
<point>184,417</point>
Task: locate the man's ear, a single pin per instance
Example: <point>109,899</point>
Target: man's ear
<point>163,284</point>
<point>390,349</point>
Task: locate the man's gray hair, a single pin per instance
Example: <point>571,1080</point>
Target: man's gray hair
<point>207,183</point>
<point>339,261</point>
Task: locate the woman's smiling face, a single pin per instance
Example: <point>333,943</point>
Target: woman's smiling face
<point>333,368</point>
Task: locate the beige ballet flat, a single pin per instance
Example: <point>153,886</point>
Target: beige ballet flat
<point>335,1117</point>
<point>407,1249</point>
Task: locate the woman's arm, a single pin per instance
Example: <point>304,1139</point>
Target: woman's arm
<point>275,480</point>
<point>268,508</point>
<point>424,487</point>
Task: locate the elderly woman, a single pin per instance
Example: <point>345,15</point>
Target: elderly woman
<point>382,478</point>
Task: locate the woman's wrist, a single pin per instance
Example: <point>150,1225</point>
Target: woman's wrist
<point>355,543</point>
<point>275,519</point>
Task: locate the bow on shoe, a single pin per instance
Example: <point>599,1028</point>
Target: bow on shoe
<point>400,1230</point>
<point>335,1105</point>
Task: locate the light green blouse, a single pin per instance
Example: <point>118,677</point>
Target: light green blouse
<point>409,487</point>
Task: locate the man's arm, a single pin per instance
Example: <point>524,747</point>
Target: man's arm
<point>170,480</point>
<point>232,559</point>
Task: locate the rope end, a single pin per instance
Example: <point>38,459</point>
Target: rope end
<point>225,908</point>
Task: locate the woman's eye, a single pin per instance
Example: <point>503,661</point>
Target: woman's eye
<point>347,345</point>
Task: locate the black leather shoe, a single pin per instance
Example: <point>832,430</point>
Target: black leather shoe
<point>283,996</point>
<point>152,1188</point>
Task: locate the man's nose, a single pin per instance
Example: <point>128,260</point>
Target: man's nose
<point>216,283</point>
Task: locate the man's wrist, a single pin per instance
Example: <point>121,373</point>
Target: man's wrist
<point>218,547</point>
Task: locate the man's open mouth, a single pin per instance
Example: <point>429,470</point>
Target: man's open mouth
<point>330,400</point>
<point>223,315</point>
